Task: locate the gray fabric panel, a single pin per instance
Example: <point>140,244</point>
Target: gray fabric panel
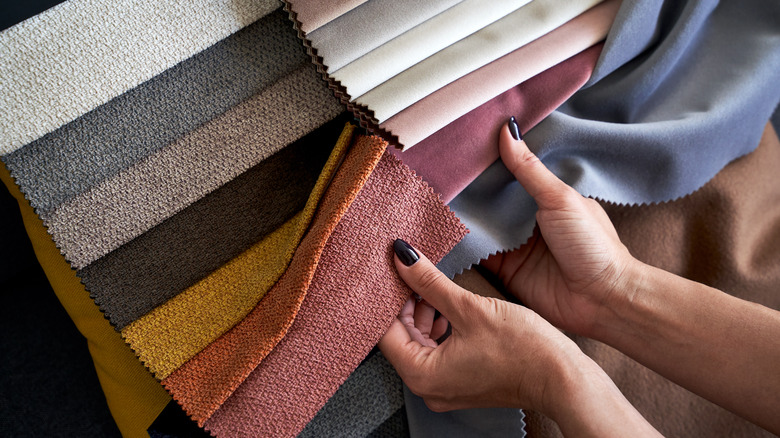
<point>396,426</point>
<point>368,26</point>
<point>699,82</point>
<point>117,134</point>
<point>162,262</point>
<point>368,398</point>
<point>465,423</point>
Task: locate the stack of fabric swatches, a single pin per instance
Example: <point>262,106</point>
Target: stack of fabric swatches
<point>200,167</point>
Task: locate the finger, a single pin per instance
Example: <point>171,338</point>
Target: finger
<point>547,190</point>
<point>439,328</point>
<point>407,318</point>
<point>425,279</point>
<point>423,317</point>
<point>395,345</point>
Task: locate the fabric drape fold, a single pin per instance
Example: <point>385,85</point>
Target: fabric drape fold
<point>314,13</point>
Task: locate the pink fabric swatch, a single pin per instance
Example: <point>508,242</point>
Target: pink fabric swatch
<point>454,156</point>
<point>440,108</point>
<point>353,298</point>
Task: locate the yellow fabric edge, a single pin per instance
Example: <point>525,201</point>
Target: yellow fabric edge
<point>134,397</point>
<point>177,330</point>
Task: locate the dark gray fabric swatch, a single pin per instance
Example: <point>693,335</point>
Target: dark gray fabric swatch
<point>117,134</point>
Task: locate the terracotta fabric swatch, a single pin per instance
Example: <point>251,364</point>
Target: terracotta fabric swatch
<point>80,54</point>
<point>178,329</point>
<point>99,144</point>
<point>726,235</point>
<point>130,203</point>
<point>206,380</point>
<point>314,13</point>
<point>352,299</point>
<point>470,143</point>
<point>446,104</point>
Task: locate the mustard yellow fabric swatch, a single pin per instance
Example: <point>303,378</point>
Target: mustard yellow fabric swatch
<point>134,397</point>
<point>174,332</point>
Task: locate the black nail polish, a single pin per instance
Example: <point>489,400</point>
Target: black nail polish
<point>405,252</point>
<point>514,129</point>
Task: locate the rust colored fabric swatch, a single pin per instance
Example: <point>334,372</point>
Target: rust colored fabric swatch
<point>206,380</point>
<point>354,296</point>
<point>726,235</point>
<point>470,143</point>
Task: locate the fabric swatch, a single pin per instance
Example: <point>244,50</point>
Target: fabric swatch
<point>116,135</point>
<point>446,104</point>
<point>725,235</point>
<point>206,380</point>
<point>369,397</point>
<point>470,143</point>
<point>420,42</point>
<point>653,130</point>
<point>178,329</point>
<point>368,26</point>
<point>494,41</point>
<point>80,54</point>
<point>354,296</point>
<point>314,13</point>
<point>396,426</point>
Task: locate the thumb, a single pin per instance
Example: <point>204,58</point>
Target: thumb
<point>548,191</point>
<point>431,284</point>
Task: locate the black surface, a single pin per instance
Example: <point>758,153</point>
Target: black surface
<point>15,11</point>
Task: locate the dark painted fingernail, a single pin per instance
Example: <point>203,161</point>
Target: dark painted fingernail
<point>514,129</point>
<point>405,252</point>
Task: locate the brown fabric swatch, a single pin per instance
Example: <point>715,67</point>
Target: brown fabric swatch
<point>726,235</point>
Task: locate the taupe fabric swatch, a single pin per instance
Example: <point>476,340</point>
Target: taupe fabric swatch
<point>314,13</point>
<point>116,135</point>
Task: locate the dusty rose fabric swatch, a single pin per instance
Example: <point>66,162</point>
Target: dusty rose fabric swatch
<point>470,143</point>
<point>314,13</point>
<point>353,298</point>
<point>726,235</point>
<point>206,380</point>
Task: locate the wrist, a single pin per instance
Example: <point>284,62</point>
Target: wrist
<point>627,291</point>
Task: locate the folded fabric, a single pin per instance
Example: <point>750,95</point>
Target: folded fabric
<point>694,98</point>
<point>470,143</point>
<point>446,104</point>
<point>203,383</point>
<point>420,42</point>
<point>368,26</point>
<point>726,235</point>
<point>354,296</point>
<point>78,55</point>
<point>178,329</point>
<point>494,41</point>
<point>98,145</point>
<point>314,13</point>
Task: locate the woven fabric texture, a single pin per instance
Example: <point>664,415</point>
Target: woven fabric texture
<point>354,296</point>
<point>203,383</point>
<point>178,329</point>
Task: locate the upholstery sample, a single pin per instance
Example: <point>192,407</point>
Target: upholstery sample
<point>470,143</point>
<point>98,145</point>
<point>314,13</point>
<point>726,235</point>
<point>95,50</point>
<point>354,296</point>
<point>206,380</point>
<point>446,104</point>
<point>420,42</point>
<point>494,41</point>
<point>368,26</point>
<point>178,329</point>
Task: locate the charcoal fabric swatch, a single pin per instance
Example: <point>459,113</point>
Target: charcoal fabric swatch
<point>396,426</point>
<point>471,142</point>
<point>175,331</point>
<point>694,97</point>
<point>455,99</point>
<point>354,296</point>
<point>314,13</point>
<point>368,26</point>
<point>203,383</point>
<point>119,133</point>
<point>78,55</point>
<point>725,235</point>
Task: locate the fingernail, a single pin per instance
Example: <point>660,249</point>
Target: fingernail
<point>405,252</point>
<point>514,129</point>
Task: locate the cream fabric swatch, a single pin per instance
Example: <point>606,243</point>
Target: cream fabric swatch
<point>95,50</point>
<point>314,13</point>
<point>505,35</point>
<point>445,105</point>
<point>420,42</point>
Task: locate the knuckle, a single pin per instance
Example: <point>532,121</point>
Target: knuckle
<point>431,279</point>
